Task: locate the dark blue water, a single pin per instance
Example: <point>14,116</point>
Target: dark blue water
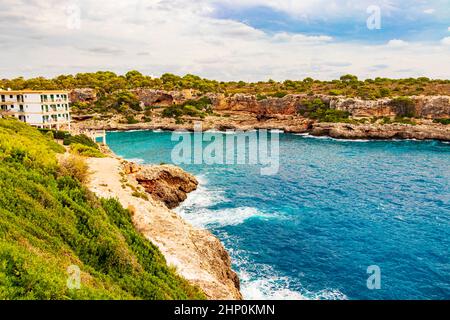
<point>334,208</point>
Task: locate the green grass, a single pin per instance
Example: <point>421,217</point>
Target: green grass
<point>50,221</point>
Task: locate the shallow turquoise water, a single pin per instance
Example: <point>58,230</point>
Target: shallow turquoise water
<point>334,208</point>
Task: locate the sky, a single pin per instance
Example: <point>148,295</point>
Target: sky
<point>248,40</point>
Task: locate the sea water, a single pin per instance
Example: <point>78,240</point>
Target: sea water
<point>334,209</point>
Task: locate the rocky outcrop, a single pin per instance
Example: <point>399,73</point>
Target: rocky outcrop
<point>166,183</point>
<point>432,107</point>
<point>83,95</point>
<point>386,131</point>
<point>196,254</point>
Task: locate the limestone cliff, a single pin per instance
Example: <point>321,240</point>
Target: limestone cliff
<point>431,107</point>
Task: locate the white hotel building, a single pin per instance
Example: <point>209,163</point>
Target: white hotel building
<point>41,108</point>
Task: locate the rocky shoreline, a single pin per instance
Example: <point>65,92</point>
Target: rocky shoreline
<point>149,191</point>
<point>248,112</point>
<point>423,130</point>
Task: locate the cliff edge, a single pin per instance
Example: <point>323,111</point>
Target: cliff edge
<point>197,255</point>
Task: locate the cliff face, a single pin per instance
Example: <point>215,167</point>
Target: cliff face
<point>83,95</point>
<point>431,107</point>
<point>197,255</point>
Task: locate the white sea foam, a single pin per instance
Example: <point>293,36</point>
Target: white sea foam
<point>197,208</point>
<point>219,218</point>
<point>278,288</point>
<point>158,130</point>
<point>307,135</point>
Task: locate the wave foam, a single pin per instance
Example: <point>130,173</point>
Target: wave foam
<point>219,218</point>
<point>307,135</point>
<point>277,288</point>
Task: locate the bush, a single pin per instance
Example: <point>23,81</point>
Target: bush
<point>75,167</point>
<point>85,151</point>
<point>80,139</point>
<point>278,95</point>
<point>131,119</point>
<point>260,97</point>
<point>57,134</point>
<point>316,109</point>
<point>442,121</point>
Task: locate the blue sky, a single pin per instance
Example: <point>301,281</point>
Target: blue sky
<point>247,40</point>
<point>407,20</point>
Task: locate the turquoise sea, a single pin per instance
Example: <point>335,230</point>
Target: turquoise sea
<point>335,208</point>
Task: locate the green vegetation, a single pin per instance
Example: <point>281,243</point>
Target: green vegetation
<point>316,109</point>
<point>445,121</point>
<point>56,134</point>
<point>85,151</point>
<point>194,108</point>
<point>398,119</point>
<point>80,139</point>
<point>49,221</point>
<point>106,82</point>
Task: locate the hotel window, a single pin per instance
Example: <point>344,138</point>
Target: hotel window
<point>3,98</point>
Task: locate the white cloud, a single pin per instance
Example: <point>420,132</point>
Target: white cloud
<point>446,41</point>
<point>295,37</point>
<point>181,36</point>
<point>429,11</point>
<point>397,43</point>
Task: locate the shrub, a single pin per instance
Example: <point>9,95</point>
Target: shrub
<point>316,109</point>
<point>260,97</point>
<point>75,167</point>
<point>131,119</point>
<point>80,139</point>
<point>57,134</point>
<point>85,151</point>
<point>335,92</point>
<point>442,121</point>
<point>278,94</point>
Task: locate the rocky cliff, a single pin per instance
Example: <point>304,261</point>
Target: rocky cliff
<point>166,183</point>
<point>431,107</point>
<point>197,255</point>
